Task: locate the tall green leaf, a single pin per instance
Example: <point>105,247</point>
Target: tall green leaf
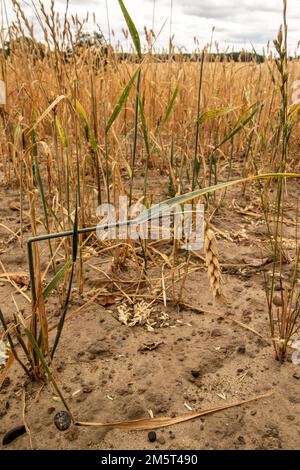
<point>239,127</point>
<point>38,179</point>
<point>147,145</point>
<point>158,209</point>
<point>171,187</point>
<point>135,134</point>
<point>144,126</point>
<point>86,124</point>
<point>121,101</point>
<point>67,301</point>
<point>75,236</point>
<point>132,29</point>
<point>169,108</point>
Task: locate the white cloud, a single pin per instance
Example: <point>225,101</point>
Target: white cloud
<point>223,9</point>
<point>236,23</point>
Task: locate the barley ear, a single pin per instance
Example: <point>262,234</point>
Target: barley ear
<point>212,263</point>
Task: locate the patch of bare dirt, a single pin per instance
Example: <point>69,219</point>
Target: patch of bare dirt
<point>109,371</point>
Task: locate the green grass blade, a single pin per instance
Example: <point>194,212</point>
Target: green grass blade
<point>169,108</point>
<point>67,301</point>
<point>213,113</point>
<point>147,145</point>
<point>185,198</point>
<point>59,275</point>
<point>61,322</point>
<point>39,182</point>
<point>135,134</point>
<point>169,204</point>
<point>62,133</point>
<point>122,100</point>
<point>82,113</point>
<point>132,29</point>
<point>89,133</point>
<point>144,126</point>
<point>75,236</point>
<point>238,127</point>
<point>44,364</point>
<point>171,187</point>
<point>38,179</point>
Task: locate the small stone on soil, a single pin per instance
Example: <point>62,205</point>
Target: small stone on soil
<point>216,333</point>
<point>152,436</point>
<point>161,440</point>
<point>195,373</point>
<point>62,420</point>
<point>296,376</point>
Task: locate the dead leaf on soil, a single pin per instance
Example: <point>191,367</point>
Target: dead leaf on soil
<point>21,281</point>
<point>155,423</point>
<point>106,300</point>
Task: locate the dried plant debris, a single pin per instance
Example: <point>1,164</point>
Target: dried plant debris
<point>142,314</point>
<point>150,346</point>
<point>3,353</point>
<point>136,314</point>
<point>296,354</point>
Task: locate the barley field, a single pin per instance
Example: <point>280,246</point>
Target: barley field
<point>110,341</point>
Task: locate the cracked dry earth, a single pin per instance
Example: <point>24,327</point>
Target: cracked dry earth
<point>107,374</point>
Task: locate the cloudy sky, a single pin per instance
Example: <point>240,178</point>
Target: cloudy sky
<point>237,23</point>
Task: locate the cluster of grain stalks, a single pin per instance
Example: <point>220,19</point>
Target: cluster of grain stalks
<point>86,123</point>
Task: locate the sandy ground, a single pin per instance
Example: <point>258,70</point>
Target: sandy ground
<point>109,372</point>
